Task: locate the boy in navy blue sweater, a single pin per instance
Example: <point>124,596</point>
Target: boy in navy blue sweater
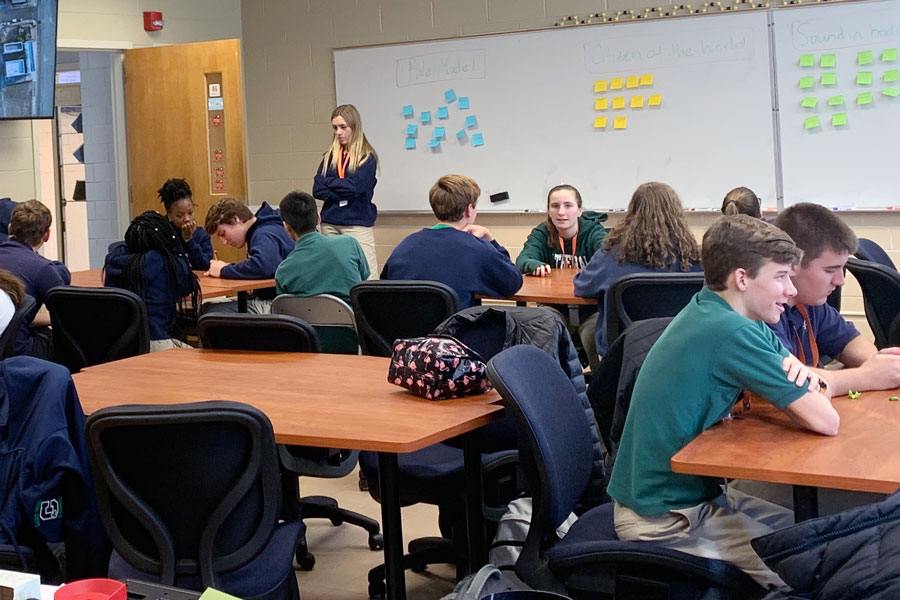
<point>456,251</point>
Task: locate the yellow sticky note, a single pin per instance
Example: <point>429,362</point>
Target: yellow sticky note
<point>619,102</point>
<point>637,101</point>
<point>654,100</point>
<point>632,81</point>
<point>891,75</point>
<point>620,122</point>
<point>647,79</point>
<point>599,122</point>
<point>615,83</point>
<point>600,85</point>
<point>601,103</point>
<point>811,122</point>
<point>212,594</point>
<point>839,119</point>
<point>889,54</point>
<point>864,57</point>
<point>829,79</point>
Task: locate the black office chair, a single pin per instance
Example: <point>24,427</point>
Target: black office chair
<point>190,496</point>
<point>646,296</point>
<point>284,333</point>
<point>387,310</point>
<point>92,326</point>
<point>8,337</point>
<point>871,251</point>
<point>881,298</point>
<point>590,560</point>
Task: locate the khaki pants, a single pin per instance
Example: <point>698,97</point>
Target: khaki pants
<point>255,306</point>
<point>719,529</point>
<point>157,345</point>
<point>364,235</point>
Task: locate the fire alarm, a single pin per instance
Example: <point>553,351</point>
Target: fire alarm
<point>153,21</point>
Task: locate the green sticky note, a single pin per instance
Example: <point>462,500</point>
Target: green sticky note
<point>892,92</point>
<point>827,60</point>
<point>829,79</point>
<point>891,75</point>
<point>835,101</point>
<point>864,98</point>
<point>889,54</point>
<point>864,57</point>
<point>810,102</point>
<point>211,594</point>
<point>864,78</point>
<point>807,82</point>
<point>807,60</point>
<point>811,122</point>
<point>839,119</point>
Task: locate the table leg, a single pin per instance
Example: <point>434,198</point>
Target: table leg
<point>521,303</point>
<point>806,503</point>
<point>242,302</point>
<point>388,477</point>
<point>474,501</point>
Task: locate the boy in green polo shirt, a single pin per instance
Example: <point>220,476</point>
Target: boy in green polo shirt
<point>678,394</point>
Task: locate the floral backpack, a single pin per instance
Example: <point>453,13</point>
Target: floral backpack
<point>437,368</point>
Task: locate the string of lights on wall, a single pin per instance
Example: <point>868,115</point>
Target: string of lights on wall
<point>679,9</point>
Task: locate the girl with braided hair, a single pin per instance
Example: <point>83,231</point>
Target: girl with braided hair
<point>153,263</point>
<point>175,194</point>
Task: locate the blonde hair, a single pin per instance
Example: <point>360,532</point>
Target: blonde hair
<point>359,147</point>
<point>654,232</point>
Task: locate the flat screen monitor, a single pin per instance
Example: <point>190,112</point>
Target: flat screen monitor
<point>27,58</point>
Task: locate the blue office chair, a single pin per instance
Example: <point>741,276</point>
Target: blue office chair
<point>871,251</point>
<point>555,455</point>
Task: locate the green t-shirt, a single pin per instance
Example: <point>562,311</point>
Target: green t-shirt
<point>689,381</point>
<point>321,264</point>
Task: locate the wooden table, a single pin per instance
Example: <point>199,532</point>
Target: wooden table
<point>210,287</point>
<point>556,288</point>
<point>323,400</point>
<point>764,445</point>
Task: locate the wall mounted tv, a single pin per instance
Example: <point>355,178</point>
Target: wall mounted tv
<point>27,58</point>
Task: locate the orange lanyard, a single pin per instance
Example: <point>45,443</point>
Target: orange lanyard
<point>814,348</point>
<point>562,250</point>
<point>343,162</point>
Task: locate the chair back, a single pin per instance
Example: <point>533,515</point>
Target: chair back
<point>186,489</point>
<point>92,326</point>
<point>881,298</point>
<point>245,331</point>
<point>642,296</point>
<point>8,337</point>
<point>331,317</point>
<point>872,252</point>
<point>387,310</point>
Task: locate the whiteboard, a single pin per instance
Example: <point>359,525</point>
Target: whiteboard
<point>533,99</point>
<point>839,166</point>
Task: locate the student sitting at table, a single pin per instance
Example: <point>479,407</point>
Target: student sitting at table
<point>566,240</point>
<point>456,251</point>
<point>175,194</point>
<point>318,264</point>
<point>714,349</point>
<point>811,328</point>
<point>29,229</point>
<point>742,201</point>
<point>653,237</point>
<point>267,245</point>
<point>152,263</point>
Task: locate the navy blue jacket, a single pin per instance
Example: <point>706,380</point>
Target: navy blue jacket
<point>468,264</point>
<point>44,468</point>
<point>347,201</point>
<point>199,248</point>
<point>39,275</point>
<point>6,208</point>
<point>160,295</point>
<point>267,245</point>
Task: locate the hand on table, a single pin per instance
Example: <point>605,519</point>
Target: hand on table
<point>541,271</point>
<point>799,374</point>
<point>215,268</point>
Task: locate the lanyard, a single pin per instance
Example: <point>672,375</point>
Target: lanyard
<point>343,162</point>
<point>814,348</point>
<point>562,249</point>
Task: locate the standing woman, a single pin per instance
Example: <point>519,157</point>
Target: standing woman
<point>175,194</point>
<point>345,182</point>
<point>653,237</point>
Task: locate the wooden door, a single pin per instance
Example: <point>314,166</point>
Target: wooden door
<point>184,111</point>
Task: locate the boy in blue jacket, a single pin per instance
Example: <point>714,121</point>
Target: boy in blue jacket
<point>456,251</point>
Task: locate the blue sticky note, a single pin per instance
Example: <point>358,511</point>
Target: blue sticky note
<point>408,110</point>
<point>471,121</point>
<point>443,113</point>
<point>477,140</point>
<point>411,129</point>
<point>425,117</point>
<point>410,143</point>
<point>449,95</point>
<point>434,143</point>
<point>460,134</point>
<point>438,132</point>
<point>463,102</point>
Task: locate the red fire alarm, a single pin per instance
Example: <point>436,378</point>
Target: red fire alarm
<point>153,21</point>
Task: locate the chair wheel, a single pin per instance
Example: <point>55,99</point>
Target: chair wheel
<point>376,541</point>
<point>377,590</point>
<point>336,522</point>
<point>418,567</point>
<point>306,561</point>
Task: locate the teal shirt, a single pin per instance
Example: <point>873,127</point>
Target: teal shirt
<point>321,264</point>
<point>689,381</point>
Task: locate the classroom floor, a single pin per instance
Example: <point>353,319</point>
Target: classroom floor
<point>343,558</point>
